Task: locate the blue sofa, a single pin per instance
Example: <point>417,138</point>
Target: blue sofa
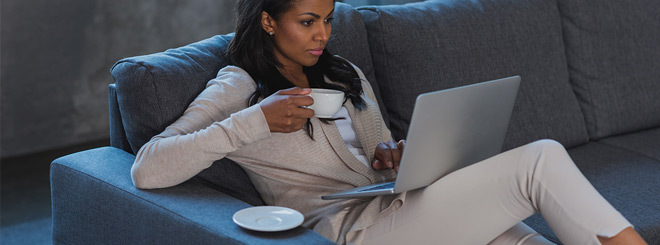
<point>591,80</point>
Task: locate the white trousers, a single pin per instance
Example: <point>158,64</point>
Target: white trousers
<point>486,202</point>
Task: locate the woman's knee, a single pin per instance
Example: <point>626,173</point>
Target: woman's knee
<point>547,145</point>
<point>546,150</point>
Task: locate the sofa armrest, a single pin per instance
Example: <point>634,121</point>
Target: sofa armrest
<point>94,200</point>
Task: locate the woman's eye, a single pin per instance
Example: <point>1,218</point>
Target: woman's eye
<point>307,22</point>
<point>329,20</point>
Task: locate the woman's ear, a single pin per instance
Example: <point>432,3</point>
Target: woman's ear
<point>267,23</point>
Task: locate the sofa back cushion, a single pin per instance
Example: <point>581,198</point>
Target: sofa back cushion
<point>153,91</point>
<point>613,52</point>
<point>434,45</point>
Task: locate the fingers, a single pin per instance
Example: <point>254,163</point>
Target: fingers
<point>388,155</point>
<point>301,100</point>
<point>401,144</point>
<point>396,154</point>
<point>284,112</point>
<point>377,164</point>
<point>383,157</point>
<point>295,102</point>
<point>297,96</point>
<point>295,118</point>
<point>388,159</point>
<point>300,112</point>
<point>295,91</point>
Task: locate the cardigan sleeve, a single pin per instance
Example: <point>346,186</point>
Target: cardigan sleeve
<point>216,123</point>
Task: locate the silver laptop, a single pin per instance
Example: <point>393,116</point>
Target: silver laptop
<point>449,129</point>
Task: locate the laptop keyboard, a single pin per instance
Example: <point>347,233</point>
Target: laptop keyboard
<point>380,187</point>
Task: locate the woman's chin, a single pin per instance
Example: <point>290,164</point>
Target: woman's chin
<point>312,61</point>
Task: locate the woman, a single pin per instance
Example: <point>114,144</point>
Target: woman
<point>254,113</point>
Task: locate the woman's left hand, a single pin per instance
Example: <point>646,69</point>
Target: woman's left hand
<point>388,155</point>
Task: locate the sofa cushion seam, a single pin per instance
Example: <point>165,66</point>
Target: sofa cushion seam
<point>158,100</point>
<point>153,84</point>
<point>568,73</point>
<point>589,87</point>
<point>387,77</point>
<point>628,150</point>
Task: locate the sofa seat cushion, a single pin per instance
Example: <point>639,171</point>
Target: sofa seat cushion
<point>646,142</point>
<point>434,45</point>
<point>94,201</point>
<point>628,180</point>
<point>612,49</point>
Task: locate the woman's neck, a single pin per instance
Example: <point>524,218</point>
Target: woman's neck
<point>295,76</point>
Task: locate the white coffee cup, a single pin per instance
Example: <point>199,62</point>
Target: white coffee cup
<point>327,102</point>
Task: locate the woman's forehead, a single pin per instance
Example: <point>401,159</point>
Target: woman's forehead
<point>318,7</point>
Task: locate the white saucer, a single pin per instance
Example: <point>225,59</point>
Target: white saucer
<point>268,218</point>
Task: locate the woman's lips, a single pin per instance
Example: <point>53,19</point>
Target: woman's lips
<point>316,51</point>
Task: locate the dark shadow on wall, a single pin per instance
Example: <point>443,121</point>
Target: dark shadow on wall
<point>42,57</point>
<point>56,57</point>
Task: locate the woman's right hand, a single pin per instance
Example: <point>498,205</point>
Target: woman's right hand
<point>388,155</point>
<point>284,110</point>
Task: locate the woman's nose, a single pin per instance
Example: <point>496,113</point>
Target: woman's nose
<point>322,33</point>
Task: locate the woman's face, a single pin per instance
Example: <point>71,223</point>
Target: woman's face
<point>300,35</point>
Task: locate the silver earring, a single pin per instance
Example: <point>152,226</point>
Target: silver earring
<point>270,33</point>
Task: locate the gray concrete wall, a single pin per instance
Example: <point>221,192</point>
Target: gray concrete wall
<point>55,57</point>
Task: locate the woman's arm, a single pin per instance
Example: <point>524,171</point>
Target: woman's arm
<point>217,122</point>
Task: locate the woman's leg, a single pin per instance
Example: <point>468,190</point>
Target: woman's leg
<point>520,234</point>
<point>476,204</point>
